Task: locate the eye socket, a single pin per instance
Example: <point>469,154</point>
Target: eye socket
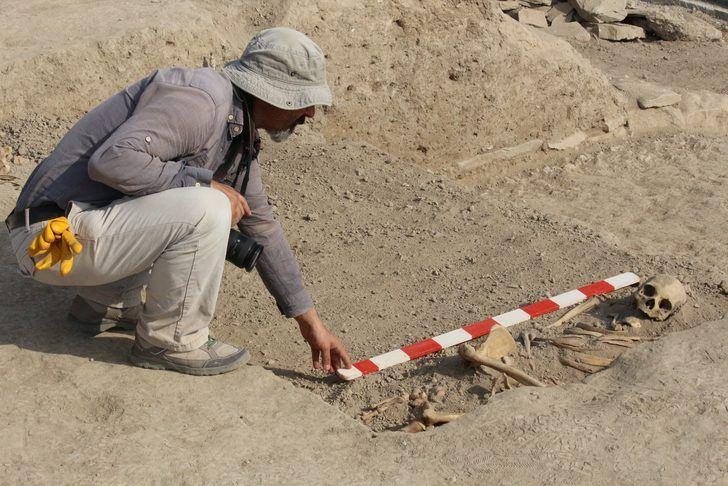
<point>665,305</point>
<point>649,291</point>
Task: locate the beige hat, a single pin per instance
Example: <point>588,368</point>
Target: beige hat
<point>283,67</point>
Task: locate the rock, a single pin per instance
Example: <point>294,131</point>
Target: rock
<point>648,95</point>
<point>670,24</point>
<point>601,10</point>
<point>311,217</point>
<point>665,119</point>
<point>619,32</point>
<point>569,142</point>
<point>533,17</point>
<point>560,12</point>
<point>19,160</point>
<point>536,2</point>
<point>501,154</point>
<point>22,150</point>
<point>705,111</point>
<point>613,123</point>
<point>509,5</point>
<point>569,30</point>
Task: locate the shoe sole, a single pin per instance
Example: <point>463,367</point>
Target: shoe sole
<point>94,328</point>
<point>151,363</point>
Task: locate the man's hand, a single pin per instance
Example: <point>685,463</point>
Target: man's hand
<point>327,352</point>
<point>238,204</point>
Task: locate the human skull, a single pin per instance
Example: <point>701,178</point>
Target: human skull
<point>660,296</point>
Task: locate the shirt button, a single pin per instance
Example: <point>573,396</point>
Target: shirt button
<point>231,117</point>
<point>148,139</point>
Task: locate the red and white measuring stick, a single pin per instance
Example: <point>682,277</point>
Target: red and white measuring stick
<point>478,329</point>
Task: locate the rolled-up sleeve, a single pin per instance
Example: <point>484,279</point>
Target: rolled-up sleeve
<point>276,265</point>
<point>143,155</point>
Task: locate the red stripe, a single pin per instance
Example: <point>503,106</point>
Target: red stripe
<point>366,367</point>
<point>596,288</point>
<point>423,348</point>
<point>540,308</point>
<point>480,328</point>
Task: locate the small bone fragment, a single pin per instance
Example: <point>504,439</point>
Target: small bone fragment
<point>574,342</point>
<point>526,336</point>
<point>380,407</point>
<point>468,353</point>
<point>431,417</point>
<point>579,309</point>
<point>413,427</point>
<point>632,322</point>
<point>580,366</point>
<point>498,344</point>
<point>590,359</point>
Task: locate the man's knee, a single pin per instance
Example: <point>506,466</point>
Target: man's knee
<point>214,209</point>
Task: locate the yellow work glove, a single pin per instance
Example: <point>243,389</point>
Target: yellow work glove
<point>58,244</point>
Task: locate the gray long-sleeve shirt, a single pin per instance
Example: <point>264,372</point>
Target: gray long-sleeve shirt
<point>171,129</point>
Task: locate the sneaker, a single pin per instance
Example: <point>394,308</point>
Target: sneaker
<point>94,318</point>
<point>212,358</point>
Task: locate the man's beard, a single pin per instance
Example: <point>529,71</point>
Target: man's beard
<point>282,135</point>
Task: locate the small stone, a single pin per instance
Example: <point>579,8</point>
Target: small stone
<point>20,160</point>
<point>723,287</point>
<point>532,17</point>
<point>620,32</point>
<point>311,217</point>
<point>648,95</point>
<point>22,150</point>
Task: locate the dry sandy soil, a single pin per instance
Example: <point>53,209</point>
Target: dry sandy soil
<point>396,246</point>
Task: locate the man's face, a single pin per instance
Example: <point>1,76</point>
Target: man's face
<point>279,123</point>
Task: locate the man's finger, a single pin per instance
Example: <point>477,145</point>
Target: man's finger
<point>246,208</point>
<point>344,356</point>
<point>315,358</point>
<point>326,355</point>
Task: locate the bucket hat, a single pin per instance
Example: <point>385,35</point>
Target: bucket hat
<point>282,67</point>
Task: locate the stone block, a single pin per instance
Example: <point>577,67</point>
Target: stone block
<point>619,32</point>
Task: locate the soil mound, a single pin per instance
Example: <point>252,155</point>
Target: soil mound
<point>427,82</point>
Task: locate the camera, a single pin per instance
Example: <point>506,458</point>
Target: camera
<point>242,251</point>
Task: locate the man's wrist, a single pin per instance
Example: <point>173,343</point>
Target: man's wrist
<point>308,319</point>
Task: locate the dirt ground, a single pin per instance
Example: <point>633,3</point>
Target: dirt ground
<point>396,246</point>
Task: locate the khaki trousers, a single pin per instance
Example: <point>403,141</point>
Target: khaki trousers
<point>173,242</point>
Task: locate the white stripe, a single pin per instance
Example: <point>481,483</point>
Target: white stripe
<point>390,359</point>
<point>568,298</point>
<point>513,317</point>
<point>622,280</point>
<point>350,374</point>
<point>452,338</point>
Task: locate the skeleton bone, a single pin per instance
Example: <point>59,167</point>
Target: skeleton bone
<point>498,344</point>
<point>590,359</point>
<point>618,342</point>
<point>574,342</point>
<point>660,296</point>
<point>431,417</point>
<point>583,332</point>
<point>380,407</point>
<point>526,337</point>
<point>579,309</point>
<point>580,366</point>
<point>632,322</point>
<point>600,330</point>
<point>413,427</point>
<point>468,353</point>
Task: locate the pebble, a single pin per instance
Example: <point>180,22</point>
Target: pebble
<point>311,217</point>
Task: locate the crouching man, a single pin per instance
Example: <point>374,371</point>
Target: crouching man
<point>150,182</point>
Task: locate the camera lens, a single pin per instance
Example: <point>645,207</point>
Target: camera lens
<point>242,251</point>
